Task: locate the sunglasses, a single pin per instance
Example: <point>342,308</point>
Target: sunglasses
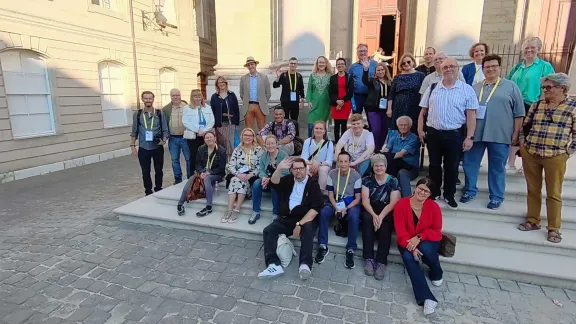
<point>548,87</point>
<point>406,62</point>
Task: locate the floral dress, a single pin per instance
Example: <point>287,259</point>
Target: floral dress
<point>239,162</point>
<point>319,97</point>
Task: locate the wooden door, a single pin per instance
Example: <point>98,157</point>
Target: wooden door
<point>370,14</point>
<point>558,32</point>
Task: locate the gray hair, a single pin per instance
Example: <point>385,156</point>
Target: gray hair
<point>404,118</point>
<point>559,79</point>
<point>377,158</point>
<point>534,40</point>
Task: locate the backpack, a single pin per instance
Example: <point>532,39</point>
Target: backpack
<point>298,143</point>
<point>447,245</point>
<point>285,250</point>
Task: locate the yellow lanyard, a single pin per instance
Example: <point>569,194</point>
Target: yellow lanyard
<point>292,88</point>
<point>249,158</point>
<point>146,124</point>
<point>210,162</point>
<point>338,184</point>
<point>491,92</point>
<point>382,87</point>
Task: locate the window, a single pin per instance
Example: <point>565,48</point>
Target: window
<point>202,20</point>
<point>112,88</point>
<point>108,4</point>
<point>167,83</point>
<point>28,94</point>
<point>169,11</point>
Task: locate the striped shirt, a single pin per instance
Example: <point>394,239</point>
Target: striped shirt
<point>447,106</point>
<point>553,130</point>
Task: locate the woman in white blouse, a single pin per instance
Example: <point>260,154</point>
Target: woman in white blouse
<point>197,117</point>
<point>318,151</point>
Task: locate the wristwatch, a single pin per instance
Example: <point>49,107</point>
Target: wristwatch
<point>298,224</point>
<point>419,237</point>
<point>471,137</point>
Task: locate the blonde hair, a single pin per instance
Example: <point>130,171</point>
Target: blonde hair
<point>325,137</point>
<point>254,143</point>
<point>356,117</point>
<point>387,76</point>
<point>471,50</point>
<point>405,55</point>
<point>328,65</point>
<point>271,137</point>
<point>535,40</point>
<point>217,80</point>
<point>202,103</point>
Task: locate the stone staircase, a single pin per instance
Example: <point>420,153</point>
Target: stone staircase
<point>489,243</point>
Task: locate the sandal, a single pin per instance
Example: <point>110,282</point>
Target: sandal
<point>528,226</point>
<point>554,236</point>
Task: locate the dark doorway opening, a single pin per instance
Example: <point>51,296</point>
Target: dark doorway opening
<point>387,34</point>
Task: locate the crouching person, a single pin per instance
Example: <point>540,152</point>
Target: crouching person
<point>210,166</point>
<point>344,192</point>
<point>300,201</point>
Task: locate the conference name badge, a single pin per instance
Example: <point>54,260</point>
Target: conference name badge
<point>293,96</point>
<point>383,103</point>
<point>149,136</point>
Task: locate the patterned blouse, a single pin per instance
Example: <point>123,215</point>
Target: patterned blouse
<point>553,131</point>
<point>240,159</point>
<point>380,193</point>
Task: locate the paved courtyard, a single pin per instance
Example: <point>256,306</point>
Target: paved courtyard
<point>65,258</point>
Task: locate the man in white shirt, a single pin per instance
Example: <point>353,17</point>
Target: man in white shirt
<point>300,201</point>
<point>450,106</point>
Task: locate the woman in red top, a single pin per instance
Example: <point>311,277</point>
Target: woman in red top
<point>418,225</point>
<point>341,89</point>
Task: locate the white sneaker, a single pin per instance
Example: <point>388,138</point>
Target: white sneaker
<point>270,272</point>
<point>437,283</point>
<point>429,306</point>
<point>305,272</point>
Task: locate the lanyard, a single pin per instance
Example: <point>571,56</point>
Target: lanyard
<point>292,88</point>
<point>210,162</point>
<point>338,184</point>
<point>201,119</point>
<point>491,92</point>
<point>249,158</point>
<point>382,87</point>
<point>151,124</point>
<point>316,146</point>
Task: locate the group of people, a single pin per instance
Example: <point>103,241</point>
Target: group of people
<point>457,114</point>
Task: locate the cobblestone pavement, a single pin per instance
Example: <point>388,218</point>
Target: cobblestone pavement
<point>66,258</point>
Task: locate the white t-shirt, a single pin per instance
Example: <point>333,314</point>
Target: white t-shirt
<point>356,146</point>
<point>297,193</point>
<point>479,76</point>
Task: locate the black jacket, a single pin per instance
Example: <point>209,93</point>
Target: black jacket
<point>218,166</point>
<point>312,198</point>
<point>285,83</point>
<point>373,98</point>
<point>231,102</point>
<point>333,88</point>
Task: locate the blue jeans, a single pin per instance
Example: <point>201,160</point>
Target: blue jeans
<point>363,167</point>
<point>311,129</point>
<point>175,144</point>
<point>257,197</point>
<point>432,260</point>
<point>353,216</point>
<point>497,158</point>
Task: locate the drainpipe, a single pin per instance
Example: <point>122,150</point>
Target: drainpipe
<point>134,58</point>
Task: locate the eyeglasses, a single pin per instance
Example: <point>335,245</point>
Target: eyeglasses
<point>248,135</point>
<point>422,190</point>
<point>449,67</point>
<point>486,67</point>
<point>548,87</point>
<point>299,169</point>
<point>406,62</point>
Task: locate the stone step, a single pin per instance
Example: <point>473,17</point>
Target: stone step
<point>469,226</point>
<point>511,211</point>
<point>477,257</point>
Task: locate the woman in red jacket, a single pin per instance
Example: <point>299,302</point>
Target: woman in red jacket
<point>418,225</point>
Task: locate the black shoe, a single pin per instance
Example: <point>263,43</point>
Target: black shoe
<point>350,260</point>
<point>434,197</point>
<point>181,211</point>
<point>157,189</point>
<point>322,253</point>
<point>177,181</point>
<point>451,202</point>
<point>205,211</point>
<point>458,182</point>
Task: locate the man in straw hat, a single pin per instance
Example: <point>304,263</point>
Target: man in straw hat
<point>255,93</point>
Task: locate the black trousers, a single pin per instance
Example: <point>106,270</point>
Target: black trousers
<point>145,157</point>
<point>193,145</point>
<point>291,109</point>
<point>340,126</point>
<point>278,227</point>
<point>395,165</point>
<point>444,148</point>
<point>383,235</point>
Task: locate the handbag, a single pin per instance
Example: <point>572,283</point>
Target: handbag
<point>196,190</point>
<point>447,245</point>
<point>188,134</point>
<point>285,250</point>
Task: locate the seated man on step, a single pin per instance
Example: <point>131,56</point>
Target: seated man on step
<point>300,201</point>
<point>283,129</point>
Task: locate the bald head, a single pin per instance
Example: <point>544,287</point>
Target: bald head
<point>449,69</point>
<point>175,97</point>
